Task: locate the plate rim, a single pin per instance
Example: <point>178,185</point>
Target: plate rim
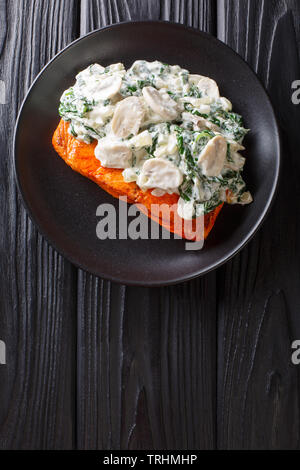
<point>201,272</point>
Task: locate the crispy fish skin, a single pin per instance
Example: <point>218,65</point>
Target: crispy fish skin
<point>80,157</point>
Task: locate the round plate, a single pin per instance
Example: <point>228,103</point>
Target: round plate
<point>63,203</point>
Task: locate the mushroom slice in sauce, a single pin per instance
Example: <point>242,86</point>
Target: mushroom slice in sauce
<point>209,87</point>
<point>128,117</point>
<point>245,198</point>
<point>195,78</point>
<point>226,104</point>
<point>213,156</point>
<point>199,121</point>
<point>106,88</point>
<point>113,154</point>
<point>160,173</point>
<point>161,103</point>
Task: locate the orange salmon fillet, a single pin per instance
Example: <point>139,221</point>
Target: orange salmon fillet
<point>80,157</point>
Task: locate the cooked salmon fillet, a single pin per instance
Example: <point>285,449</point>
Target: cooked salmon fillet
<point>80,157</point>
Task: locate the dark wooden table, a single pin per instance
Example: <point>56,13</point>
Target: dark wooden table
<point>201,365</point>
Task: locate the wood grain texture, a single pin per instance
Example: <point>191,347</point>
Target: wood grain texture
<point>147,370</point>
<point>36,299</point>
<point>259,297</point>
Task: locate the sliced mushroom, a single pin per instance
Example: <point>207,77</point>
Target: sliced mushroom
<point>91,69</point>
<point>143,139</point>
<point>161,103</point>
<point>209,87</point>
<point>236,162</point>
<point>167,146</point>
<point>198,120</point>
<point>212,157</point>
<point>159,173</point>
<point>106,88</point>
<point>202,104</point>
<point>246,198</point>
<point>235,146</point>
<point>128,117</point>
<point>201,123</point>
<point>226,104</point>
<point>195,78</point>
<point>113,154</point>
<point>213,127</point>
<point>129,175</point>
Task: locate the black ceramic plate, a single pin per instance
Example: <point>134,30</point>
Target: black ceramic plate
<point>63,204</point>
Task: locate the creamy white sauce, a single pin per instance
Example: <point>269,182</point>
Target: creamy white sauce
<point>169,130</point>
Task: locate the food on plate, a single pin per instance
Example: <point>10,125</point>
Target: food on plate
<point>158,135</point>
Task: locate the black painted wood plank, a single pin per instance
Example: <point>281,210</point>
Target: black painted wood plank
<point>259,296</point>
<point>37,296</point>
<point>147,360</point>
